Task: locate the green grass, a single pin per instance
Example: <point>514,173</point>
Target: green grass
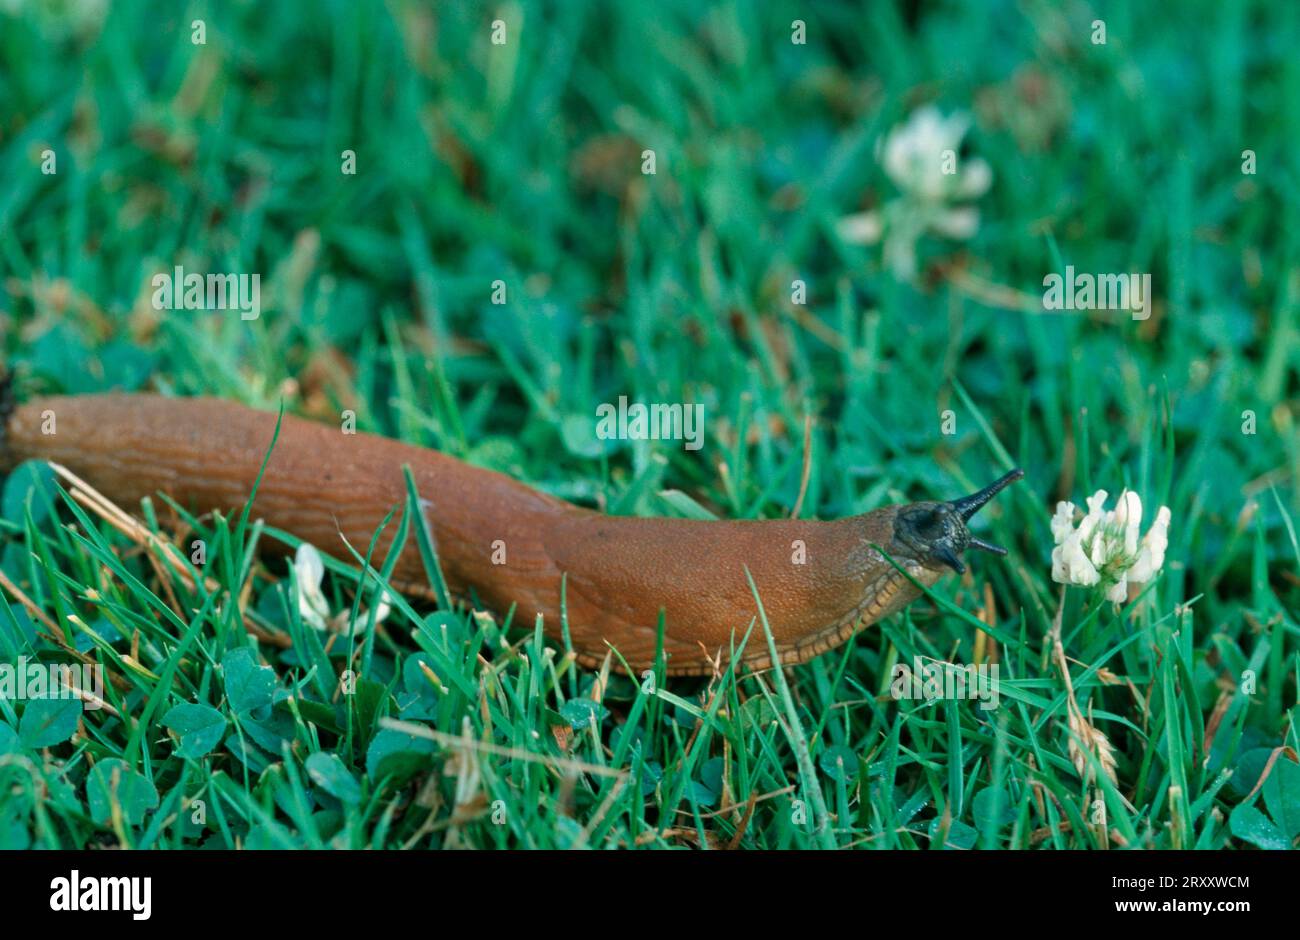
<point>522,163</point>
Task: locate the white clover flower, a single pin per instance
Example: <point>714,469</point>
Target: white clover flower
<point>310,570</point>
<point>1106,549</point>
<point>312,606</point>
<point>913,157</point>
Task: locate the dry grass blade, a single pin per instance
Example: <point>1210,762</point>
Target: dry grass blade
<point>454,741</point>
<point>160,551</point>
<point>1085,735</point>
<point>1085,738</point>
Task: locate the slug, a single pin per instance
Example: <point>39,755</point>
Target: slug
<point>508,543</point>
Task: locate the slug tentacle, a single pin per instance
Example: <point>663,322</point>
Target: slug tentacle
<point>969,505</point>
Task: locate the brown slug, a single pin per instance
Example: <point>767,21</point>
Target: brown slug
<point>509,543</point>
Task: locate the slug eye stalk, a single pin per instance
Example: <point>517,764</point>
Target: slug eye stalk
<point>967,506</point>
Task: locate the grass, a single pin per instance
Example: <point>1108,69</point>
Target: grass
<point>522,163</point>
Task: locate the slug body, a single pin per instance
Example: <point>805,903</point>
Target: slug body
<point>506,543</point>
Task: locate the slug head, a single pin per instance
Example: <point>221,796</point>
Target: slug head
<point>935,534</point>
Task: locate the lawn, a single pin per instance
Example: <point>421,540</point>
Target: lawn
<point>459,239</point>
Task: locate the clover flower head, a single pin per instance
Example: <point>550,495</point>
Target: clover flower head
<point>1105,548</point>
<point>312,605</point>
<point>913,156</point>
